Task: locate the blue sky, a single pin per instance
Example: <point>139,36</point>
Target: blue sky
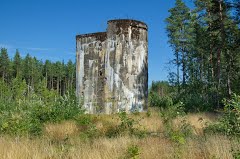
<point>47,28</point>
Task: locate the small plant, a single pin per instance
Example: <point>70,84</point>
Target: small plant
<point>126,126</point>
<point>149,113</point>
<point>87,126</point>
<point>126,122</point>
<point>172,112</point>
<point>133,152</point>
<point>236,155</point>
<point>177,135</point>
<point>180,134</point>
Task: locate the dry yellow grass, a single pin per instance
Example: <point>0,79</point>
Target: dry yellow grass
<point>63,141</point>
<point>61,131</point>
<point>153,123</point>
<point>105,148</point>
<point>198,121</point>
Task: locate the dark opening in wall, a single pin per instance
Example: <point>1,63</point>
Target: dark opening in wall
<point>100,73</point>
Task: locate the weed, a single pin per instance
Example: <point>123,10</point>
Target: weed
<point>133,152</point>
<point>149,113</point>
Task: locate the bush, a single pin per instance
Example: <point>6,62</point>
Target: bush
<point>28,117</point>
<point>157,101</point>
<point>195,102</point>
<point>236,154</point>
<point>125,127</point>
<point>133,152</point>
<point>177,135</point>
<point>229,124</point>
<point>63,109</point>
<point>169,113</point>
<point>87,126</point>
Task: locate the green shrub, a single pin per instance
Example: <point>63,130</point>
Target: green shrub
<point>133,152</point>
<point>229,124</point>
<point>154,99</point>
<point>236,154</point>
<point>195,102</point>
<point>28,116</point>
<point>64,108</point>
<point>171,112</point>
<point>157,101</point>
<point>126,126</point>
<point>87,127</point>
<point>149,113</point>
<point>184,130</point>
<point>180,134</point>
<point>126,122</point>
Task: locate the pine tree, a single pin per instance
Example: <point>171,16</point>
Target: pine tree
<point>70,71</point>
<point>179,29</point>
<point>4,64</point>
<point>17,65</point>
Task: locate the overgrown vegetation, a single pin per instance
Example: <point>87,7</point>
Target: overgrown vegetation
<point>229,123</point>
<point>33,92</point>
<point>28,117</point>
<point>206,45</point>
<point>37,99</point>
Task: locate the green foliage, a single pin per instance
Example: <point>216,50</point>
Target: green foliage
<point>126,126</point>
<point>4,64</point>
<point>157,101</point>
<point>126,122</point>
<point>149,113</point>
<point>87,126</point>
<point>229,124</point>
<point>177,137</point>
<point>19,88</point>
<point>172,112</point>
<point>33,93</point>
<point>184,130</point>
<point>5,91</point>
<point>236,155</point>
<point>180,134</point>
<point>154,99</point>
<point>36,74</point>
<point>195,102</point>
<point>16,120</point>
<point>205,43</point>
<point>160,94</point>
<point>28,117</point>
<point>133,152</point>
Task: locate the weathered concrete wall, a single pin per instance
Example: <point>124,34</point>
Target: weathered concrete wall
<point>90,70</point>
<point>112,68</point>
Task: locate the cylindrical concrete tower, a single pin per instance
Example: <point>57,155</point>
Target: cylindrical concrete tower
<point>126,66</point>
<point>112,68</point>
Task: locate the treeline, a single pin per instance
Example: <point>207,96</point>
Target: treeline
<point>206,45</point>
<point>23,77</point>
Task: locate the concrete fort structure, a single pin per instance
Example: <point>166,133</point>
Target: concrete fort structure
<point>112,68</point>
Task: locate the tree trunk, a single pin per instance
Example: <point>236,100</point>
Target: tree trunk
<point>177,61</point>
<point>184,67</point>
